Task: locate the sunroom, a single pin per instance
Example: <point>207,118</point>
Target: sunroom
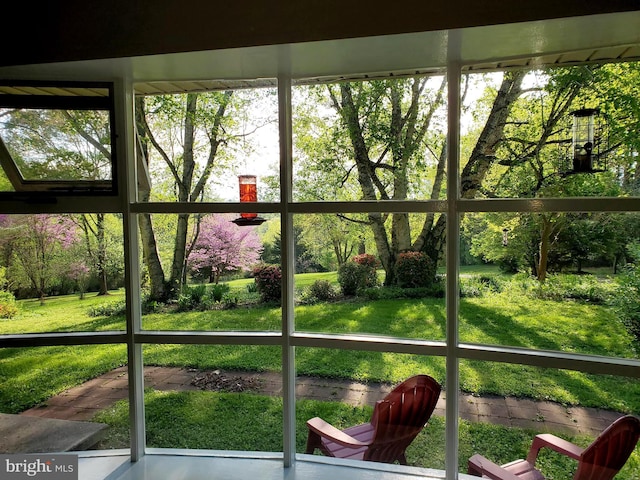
<point>284,91</point>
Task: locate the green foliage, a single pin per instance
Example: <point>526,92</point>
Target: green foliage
<point>191,297</point>
<point>8,306</point>
<point>558,287</point>
<point>119,308</point>
<point>414,270</point>
<point>217,291</point>
<point>201,297</point>
<point>229,301</point>
<point>108,309</point>
<point>479,285</point>
<point>435,290</point>
<point>349,278</point>
<point>268,279</point>
<point>357,274</point>
<point>626,299</point>
<point>319,291</point>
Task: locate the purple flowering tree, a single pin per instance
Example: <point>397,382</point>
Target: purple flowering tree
<point>36,243</point>
<point>222,246</point>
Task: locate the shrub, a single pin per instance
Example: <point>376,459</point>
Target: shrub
<point>191,298</point>
<point>319,291</point>
<point>8,306</point>
<point>349,278</point>
<point>369,265</point>
<point>112,309</point>
<point>436,290</point>
<point>585,288</point>
<point>229,301</point>
<point>414,270</point>
<point>109,309</point>
<point>366,259</point>
<point>626,300</point>
<point>268,279</point>
<point>358,274</point>
<point>479,285</point>
<point>217,291</point>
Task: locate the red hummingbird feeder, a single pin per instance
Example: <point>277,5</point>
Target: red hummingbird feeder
<point>248,194</point>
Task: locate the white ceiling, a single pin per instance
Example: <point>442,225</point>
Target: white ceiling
<point>611,37</point>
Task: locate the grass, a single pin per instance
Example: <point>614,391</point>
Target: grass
<point>65,313</point>
<point>224,421</point>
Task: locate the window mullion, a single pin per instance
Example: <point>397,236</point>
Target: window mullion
<point>127,177</point>
<point>288,262</point>
<point>453,255</point>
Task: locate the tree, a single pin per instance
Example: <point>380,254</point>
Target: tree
<point>103,245</point>
<point>333,240</point>
<point>392,132</point>
<point>380,139</point>
<point>185,139</point>
<point>536,139</point>
<point>63,144</point>
<point>189,176</point>
<point>221,247</point>
<point>35,243</point>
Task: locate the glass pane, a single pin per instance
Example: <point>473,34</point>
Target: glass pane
<point>214,398</point>
<point>503,406</point>
<point>552,281</point>
<point>554,132</point>
<point>349,279</point>
<point>342,387</point>
<point>370,140</point>
<point>61,273</point>
<point>195,146</point>
<point>227,278</point>
<point>58,145</point>
<point>47,390</point>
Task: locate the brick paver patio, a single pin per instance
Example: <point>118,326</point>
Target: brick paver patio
<point>84,401</point>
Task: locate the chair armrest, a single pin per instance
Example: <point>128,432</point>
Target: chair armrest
<point>326,430</point>
<point>479,466</point>
<point>554,443</point>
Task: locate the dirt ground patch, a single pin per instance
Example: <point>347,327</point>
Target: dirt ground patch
<point>218,381</point>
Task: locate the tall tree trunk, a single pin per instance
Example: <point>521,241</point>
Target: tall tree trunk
<point>150,255</point>
<point>184,191</point>
<point>431,239</point>
<point>157,286</point>
<point>483,154</point>
<point>179,253</point>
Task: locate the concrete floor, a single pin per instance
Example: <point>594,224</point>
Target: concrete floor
<point>198,467</point>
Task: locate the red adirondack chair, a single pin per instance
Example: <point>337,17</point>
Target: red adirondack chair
<point>395,422</point>
<point>599,461</point>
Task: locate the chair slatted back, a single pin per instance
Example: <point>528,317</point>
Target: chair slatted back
<point>609,452</point>
<point>401,416</point>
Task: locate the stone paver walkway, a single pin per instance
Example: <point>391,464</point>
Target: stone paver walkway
<point>84,401</point>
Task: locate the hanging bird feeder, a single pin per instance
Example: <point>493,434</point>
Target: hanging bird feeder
<point>248,194</point>
<point>505,237</point>
<point>588,147</point>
